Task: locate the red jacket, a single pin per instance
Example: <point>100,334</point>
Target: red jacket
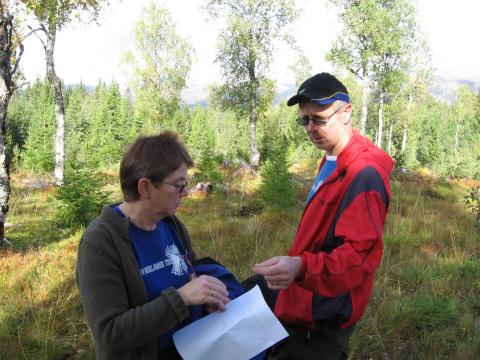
<point>340,241</point>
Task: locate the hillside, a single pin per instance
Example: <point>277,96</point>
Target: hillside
<point>426,303</point>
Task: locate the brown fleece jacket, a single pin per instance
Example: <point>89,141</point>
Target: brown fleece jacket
<point>124,322</point>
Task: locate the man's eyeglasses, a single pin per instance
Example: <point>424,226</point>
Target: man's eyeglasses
<point>317,120</point>
<point>180,187</point>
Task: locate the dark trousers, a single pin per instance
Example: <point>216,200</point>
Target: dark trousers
<point>304,344</point>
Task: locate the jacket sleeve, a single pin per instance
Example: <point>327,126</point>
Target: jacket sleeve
<point>358,229</point>
<point>117,324</point>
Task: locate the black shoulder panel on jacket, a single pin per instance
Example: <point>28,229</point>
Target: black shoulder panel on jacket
<point>368,179</point>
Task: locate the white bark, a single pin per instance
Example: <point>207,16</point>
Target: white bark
<point>380,121</point>
<point>59,107</point>
<point>7,86</point>
<point>364,111</point>
<point>390,134</point>
<point>4,174</point>
<point>405,124</point>
<point>59,145</point>
<point>457,141</point>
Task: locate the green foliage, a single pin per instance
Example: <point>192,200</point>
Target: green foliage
<point>18,118</point>
<point>158,67</point>
<point>39,152</point>
<point>472,201</point>
<point>110,132</point>
<point>245,54</point>
<point>80,199</point>
<point>276,187</point>
<point>201,143</point>
<point>301,68</point>
<point>76,124</point>
<point>55,14</point>
<point>379,35</point>
<point>231,136</point>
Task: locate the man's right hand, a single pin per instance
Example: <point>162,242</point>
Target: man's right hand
<point>279,271</point>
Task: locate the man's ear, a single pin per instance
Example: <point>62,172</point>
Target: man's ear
<point>143,188</point>
<point>347,114</point>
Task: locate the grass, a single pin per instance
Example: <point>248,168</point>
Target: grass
<point>426,302</point>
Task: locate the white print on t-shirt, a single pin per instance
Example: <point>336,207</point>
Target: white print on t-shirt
<point>179,267</point>
<point>174,258</point>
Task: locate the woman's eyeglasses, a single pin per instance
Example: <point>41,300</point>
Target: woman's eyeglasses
<point>180,187</point>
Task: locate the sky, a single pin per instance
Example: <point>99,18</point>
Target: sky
<point>86,53</point>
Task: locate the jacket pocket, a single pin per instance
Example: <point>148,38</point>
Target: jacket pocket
<point>331,312</point>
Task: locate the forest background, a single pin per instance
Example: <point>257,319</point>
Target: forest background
<point>61,146</point>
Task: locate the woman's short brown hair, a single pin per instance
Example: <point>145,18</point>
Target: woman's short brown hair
<point>152,157</point>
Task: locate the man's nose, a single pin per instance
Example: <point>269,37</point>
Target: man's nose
<point>310,126</point>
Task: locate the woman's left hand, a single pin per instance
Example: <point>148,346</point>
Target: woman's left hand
<point>205,290</point>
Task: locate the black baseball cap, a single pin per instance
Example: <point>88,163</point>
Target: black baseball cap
<point>322,89</point>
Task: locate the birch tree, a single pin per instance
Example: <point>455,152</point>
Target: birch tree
<point>464,114</point>
<point>158,66</point>
<point>52,16</point>
<point>245,54</point>
<point>378,38</point>
<point>11,51</point>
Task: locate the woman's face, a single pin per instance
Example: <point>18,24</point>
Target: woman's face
<point>163,198</point>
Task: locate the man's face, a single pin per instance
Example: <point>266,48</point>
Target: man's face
<point>331,135</point>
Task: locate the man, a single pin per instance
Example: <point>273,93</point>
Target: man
<point>326,280</point>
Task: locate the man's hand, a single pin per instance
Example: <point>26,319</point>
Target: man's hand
<point>279,271</point>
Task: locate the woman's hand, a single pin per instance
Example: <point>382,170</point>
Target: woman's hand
<point>205,290</point>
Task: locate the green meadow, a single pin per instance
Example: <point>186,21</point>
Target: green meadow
<point>426,301</point>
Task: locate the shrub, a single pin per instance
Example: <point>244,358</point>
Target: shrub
<point>472,200</point>
<point>207,166</point>
<point>80,199</point>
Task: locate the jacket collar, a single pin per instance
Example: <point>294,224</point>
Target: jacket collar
<point>360,147</point>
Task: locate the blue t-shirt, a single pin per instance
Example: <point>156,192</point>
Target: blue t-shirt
<point>160,255</point>
<point>327,169</point>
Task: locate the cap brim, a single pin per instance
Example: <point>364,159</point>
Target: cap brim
<point>297,99</point>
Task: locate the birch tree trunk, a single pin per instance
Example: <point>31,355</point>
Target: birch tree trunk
<point>457,141</point>
<point>56,83</point>
<point>7,86</point>
<point>405,123</point>
<point>253,115</point>
<point>380,121</point>
<point>390,134</point>
<point>4,173</point>
<point>364,111</point>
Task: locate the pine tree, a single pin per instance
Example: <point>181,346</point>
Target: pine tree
<point>110,130</point>
<point>77,125</point>
<point>276,187</point>
<point>39,147</point>
<point>201,143</point>
<point>18,118</point>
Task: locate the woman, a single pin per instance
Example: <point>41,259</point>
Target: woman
<point>134,273</point>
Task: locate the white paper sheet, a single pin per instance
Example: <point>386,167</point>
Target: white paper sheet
<point>245,329</point>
